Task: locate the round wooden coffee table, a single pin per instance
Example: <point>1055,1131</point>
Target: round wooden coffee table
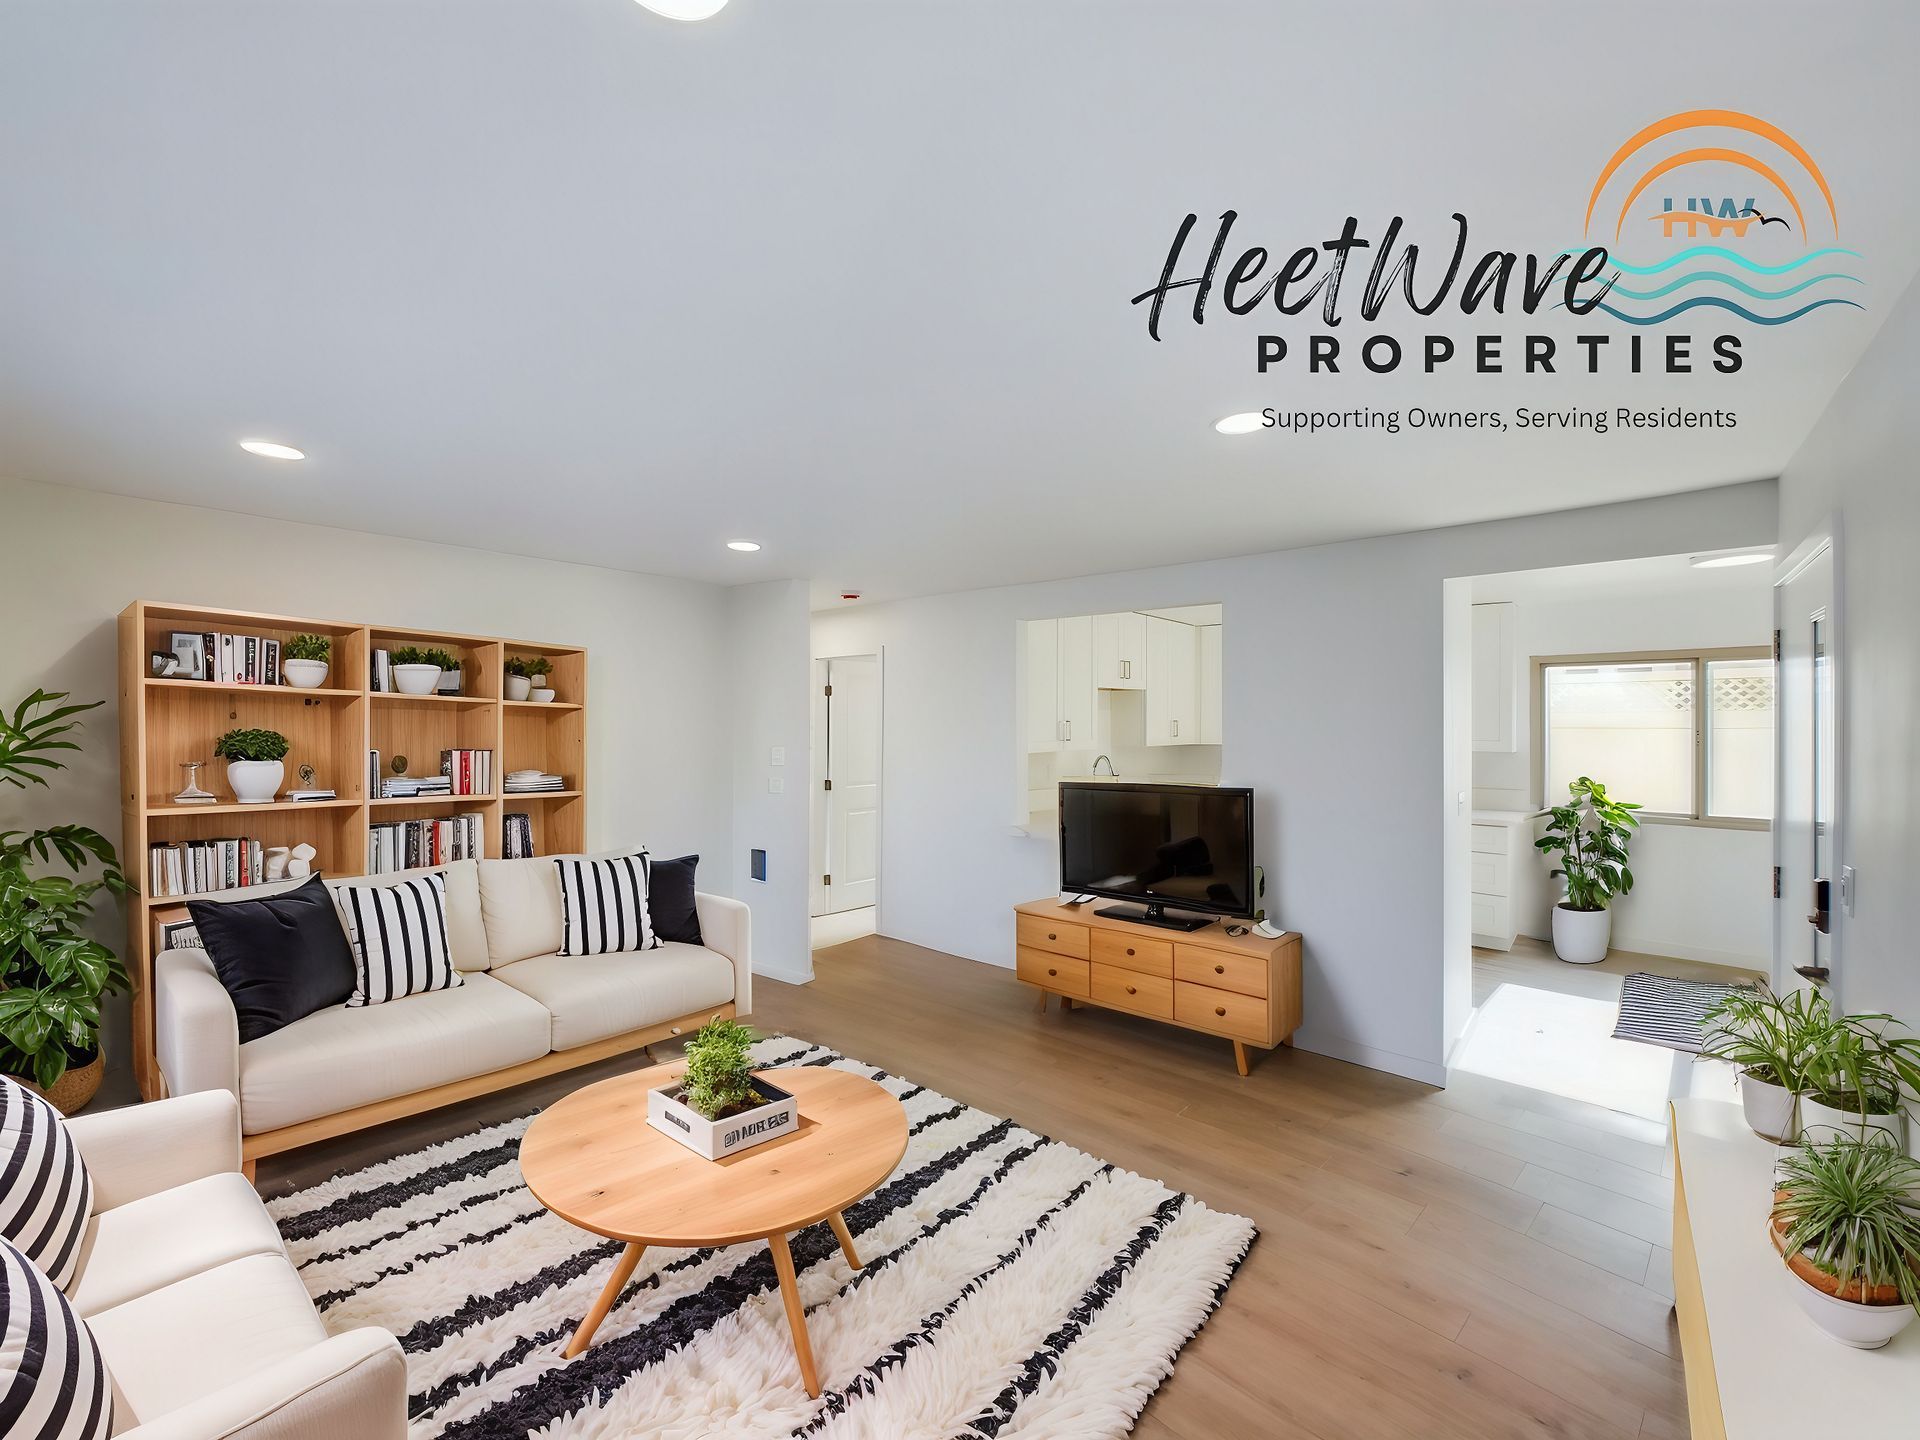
<point>593,1160</point>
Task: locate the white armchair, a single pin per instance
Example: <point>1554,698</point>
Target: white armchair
<point>203,1324</point>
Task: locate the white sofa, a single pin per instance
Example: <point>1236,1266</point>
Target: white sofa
<point>522,1011</point>
<point>202,1323</point>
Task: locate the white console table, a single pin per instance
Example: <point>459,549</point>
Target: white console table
<point>1757,1368</point>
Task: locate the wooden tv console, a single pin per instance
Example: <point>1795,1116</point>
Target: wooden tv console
<point>1244,988</point>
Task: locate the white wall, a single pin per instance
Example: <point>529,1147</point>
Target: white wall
<point>660,766</point>
<point>1699,893</point>
<point>1333,713</point>
<point>1855,473</point>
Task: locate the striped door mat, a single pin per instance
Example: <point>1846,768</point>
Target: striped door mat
<point>1660,1010</point>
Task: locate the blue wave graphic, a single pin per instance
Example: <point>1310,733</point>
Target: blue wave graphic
<point>1720,250</point>
<point>1718,302</point>
<point>1698,276</point>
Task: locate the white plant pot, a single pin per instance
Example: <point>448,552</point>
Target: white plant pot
<point>715,1139</point>
<point>416,679</point>
<point>1820,1123</point>
<point>255,782</point>
<point>1865,1327</point>
<point>1769,1109</point>
<point>1580,936</point>
<point>517,686</point>
<point>304,674</point>
<point>449,682</point>
<point>541,695</point>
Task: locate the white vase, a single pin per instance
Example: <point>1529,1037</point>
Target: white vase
<point>541,695</point>
<point>1768,1108</point>
<point>1580,936</point>
<point>416,679</point>
<point>1865,1327</point>
<point>304,674</point>
<point>1820,1122</point>
<point>517,686</point>
<point>255,782</point>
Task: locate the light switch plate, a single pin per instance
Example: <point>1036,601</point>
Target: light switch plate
<point>776,785</point>
<point>1846,888</point>
<point>779,756</point>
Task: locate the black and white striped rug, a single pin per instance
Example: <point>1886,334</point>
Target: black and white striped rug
<point>1013,1286</point>
<point>1660,1010</point>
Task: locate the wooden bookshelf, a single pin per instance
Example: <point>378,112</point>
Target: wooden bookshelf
<point>166,721</point>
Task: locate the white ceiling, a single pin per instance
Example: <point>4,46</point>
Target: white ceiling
<point>562,278</point>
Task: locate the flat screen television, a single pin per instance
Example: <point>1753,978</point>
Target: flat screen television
<point>1180,847</point>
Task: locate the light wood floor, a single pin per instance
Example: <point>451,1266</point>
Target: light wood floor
<point>1480,1262</point>
<point>1532,962</point>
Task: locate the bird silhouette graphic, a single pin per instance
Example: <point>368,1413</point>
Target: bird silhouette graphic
<point>1764,218</point>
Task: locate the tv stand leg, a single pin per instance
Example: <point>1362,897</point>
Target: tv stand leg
<point>1240,1058</point>
<point>1042,1006</point>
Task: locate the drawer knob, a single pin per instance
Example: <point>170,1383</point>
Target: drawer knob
<point>1219,969</point>
<point>1052,936</point>
<point>1056,972</point>
<point>1129,949</point>
<point>1219,1009</point>
<point>1132,991</point>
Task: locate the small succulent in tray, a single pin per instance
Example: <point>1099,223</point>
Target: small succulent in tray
<point>719,1078</point>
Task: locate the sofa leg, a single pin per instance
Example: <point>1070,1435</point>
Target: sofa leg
<point>248,1168</point>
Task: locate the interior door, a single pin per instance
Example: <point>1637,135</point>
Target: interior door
<point>1809,891</point>
<point>852,783</point>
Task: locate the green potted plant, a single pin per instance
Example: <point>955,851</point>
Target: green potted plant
<point>449,663</point>
<point>519,680</point>
<point>303,660</point>
<point>51,975</point>
<point>538,669</point>
<point>1591,834</point>
<point>719,1107</point>
<point>1770,1040</point>
<point>254,768</point>
<point>1855,1078</point>
<point>1845,1220</point>
<point>413,672</point>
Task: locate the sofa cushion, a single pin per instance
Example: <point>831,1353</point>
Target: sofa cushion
<point>146,1244</point>
<point>466,932</point>
<point>520,902</point>
<point>46,1195</point>
<point>593,996</point>
<point>399,935</point>
<point>670,903</point>
<point>185,1340</point>
<point>55,1386</point>
<point>604,905</point>
<point>281,957</point>
<point>338,1058</point>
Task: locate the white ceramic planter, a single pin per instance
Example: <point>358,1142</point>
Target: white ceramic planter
<point>1769,1109</point>
<point>517,686</point>
<point>304,674</point>
<point>1865,1327</point>
<point>255,782</point>
<point>416,679</point>
<point>449,682</point>
<point>1820,1123</point>
<point>1580,936</point>
<point>541,695</point>
<point>716,1139</point>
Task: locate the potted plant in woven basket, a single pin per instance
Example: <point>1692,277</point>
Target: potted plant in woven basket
<point>51,974</point>
<point>719,1107</point>
<point>1845,1220</point>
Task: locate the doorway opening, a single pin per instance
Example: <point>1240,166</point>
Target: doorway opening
<point>846,798</point>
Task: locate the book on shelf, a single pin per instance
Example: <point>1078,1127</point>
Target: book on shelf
<point>235,659</point>
<point>195,867</point>
<point>414,844</point>
<point>408,787</point>
<point>516,836</point>
<point>531,782</point>
<point>470,771</point>
<point>298,795</point>
<point>380,678</point>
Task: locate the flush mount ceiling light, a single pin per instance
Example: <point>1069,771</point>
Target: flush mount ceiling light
<point>1721,562</point>
<point>744,546</point>
<point>272,450</point>
<point>685,9</point>
<point>1245,423</point>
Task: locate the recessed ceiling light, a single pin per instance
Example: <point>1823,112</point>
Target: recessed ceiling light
<point>685,9</point>
<point>1245,423</point>
<point>743,545</point>
<point>272,450</point>
<point>1721,562</point>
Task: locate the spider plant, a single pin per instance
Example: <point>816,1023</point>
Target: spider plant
<point>1768,1036</point>
<point>1850,1208</point>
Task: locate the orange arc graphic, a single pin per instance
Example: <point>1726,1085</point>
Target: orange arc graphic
<point>1728,119</point>
<point>1732,157</point>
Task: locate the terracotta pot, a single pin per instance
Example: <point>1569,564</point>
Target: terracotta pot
<point>72,1091</point>
<point>1819,1279</point>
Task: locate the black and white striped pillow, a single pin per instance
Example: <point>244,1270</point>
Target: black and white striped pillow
<point>52,1383</point>
<point>605,905</point>
<point>46,1195</point>
<point>399,935</point>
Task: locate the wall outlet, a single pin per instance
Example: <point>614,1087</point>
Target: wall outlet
<point>779,755</point>
<point>776,785</point>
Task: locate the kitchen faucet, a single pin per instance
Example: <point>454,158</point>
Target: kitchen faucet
<point>1110,770</point>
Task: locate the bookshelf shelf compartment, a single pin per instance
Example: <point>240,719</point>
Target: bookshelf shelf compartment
<point>167,720</point>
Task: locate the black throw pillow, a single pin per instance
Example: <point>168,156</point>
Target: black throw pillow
<point>670,899</point>
<point>281,958</point>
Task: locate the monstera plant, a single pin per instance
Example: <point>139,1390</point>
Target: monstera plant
<point>52,974</point>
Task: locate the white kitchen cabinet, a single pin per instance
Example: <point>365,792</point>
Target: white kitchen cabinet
<point>1209,697</point>
<point>1043,685</point>
<point>1173,691</point>
<point>1496,680</point>
<point>1062,702</point>
<point>1495,851</point>
<point>1120,651</point>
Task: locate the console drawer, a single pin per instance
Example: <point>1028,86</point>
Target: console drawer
<point>1132,990</point>
<point>1130,952</point>
<point>1244,974</point>
<point>1224,1012</point>
<point>1038,934</point>
<point>1058,973</point>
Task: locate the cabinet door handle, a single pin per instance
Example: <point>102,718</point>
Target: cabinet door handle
<point>1069,729</point>
<point>1220,1010</point>
<point>1176,727</point>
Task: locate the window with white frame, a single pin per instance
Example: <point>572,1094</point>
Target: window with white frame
<point>1685,735</point>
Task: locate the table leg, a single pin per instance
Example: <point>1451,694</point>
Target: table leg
<point>616,1282</point>
<point>796,1312</point>
<point>845,1237</point>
